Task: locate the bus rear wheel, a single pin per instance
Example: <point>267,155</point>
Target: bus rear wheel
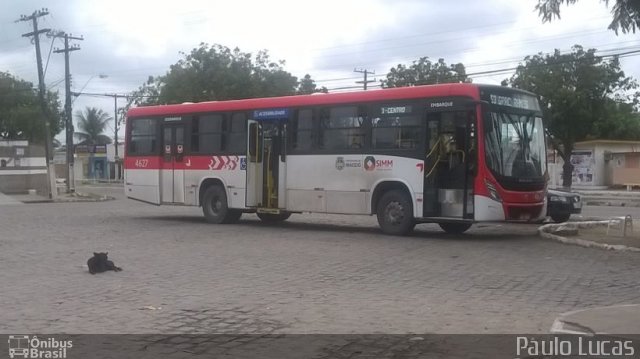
<point>215,207</point>
<point>395,213</point>
<point>272,217</point>
<point>454,228</point>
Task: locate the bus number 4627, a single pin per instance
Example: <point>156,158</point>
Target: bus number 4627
<point>142,163</point>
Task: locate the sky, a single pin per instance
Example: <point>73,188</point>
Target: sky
<point>126,41</point>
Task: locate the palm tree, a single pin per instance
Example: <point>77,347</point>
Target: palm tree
<point>92,123</point>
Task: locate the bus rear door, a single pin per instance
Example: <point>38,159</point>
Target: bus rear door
<point>266,160</point>
<point>172,166</point>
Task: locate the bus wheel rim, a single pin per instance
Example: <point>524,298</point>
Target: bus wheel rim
<point>394,213</point>
<point>216,205</point>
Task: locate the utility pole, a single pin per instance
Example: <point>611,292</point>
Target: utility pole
<point>115,136</point>
<point>48,149</point>
<point>365,72</point>
<point>67,107</point>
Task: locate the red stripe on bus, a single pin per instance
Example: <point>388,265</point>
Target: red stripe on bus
<point>213,163</point>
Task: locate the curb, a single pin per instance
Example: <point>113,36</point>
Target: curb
<point>545,230</point>
<point>100,199</point>
<point>563,324</point>
<point>71,200</point>
<point>611,203</point>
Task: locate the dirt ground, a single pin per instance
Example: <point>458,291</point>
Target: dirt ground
<point>615,235</point>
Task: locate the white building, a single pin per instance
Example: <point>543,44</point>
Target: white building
<point>599,164</point>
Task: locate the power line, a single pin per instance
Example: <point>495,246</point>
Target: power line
<point>48,58</point>
<point>549,65</point>
<point>488,72</point>
<point>466,50</point>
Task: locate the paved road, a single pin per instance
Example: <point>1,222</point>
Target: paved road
<point>314,274</point>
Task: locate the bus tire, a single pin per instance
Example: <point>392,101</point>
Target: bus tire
<point>271,217</point>
<point>215,207</point>
<point>454,228</point>
<point>395,213</point>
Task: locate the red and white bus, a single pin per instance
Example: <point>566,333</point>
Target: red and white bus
<point>451,154</point>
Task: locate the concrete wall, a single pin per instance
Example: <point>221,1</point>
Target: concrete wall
<point>625,169</point>
<point>111,152</point>
<point>626,176</point>
<point>21,183</point>
<point>22,167</point>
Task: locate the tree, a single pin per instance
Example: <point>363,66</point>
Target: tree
<point>20,112</point>
<point>308,86</point>
<point>621,123</point>
<point>581,95</point>
<point>626,13</point>
<point>424,72</point>
<point>218,73</point>
<point>92,123</point>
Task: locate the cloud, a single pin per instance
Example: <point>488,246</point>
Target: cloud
<point>130,40</point>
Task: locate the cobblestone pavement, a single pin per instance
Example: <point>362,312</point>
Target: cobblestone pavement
<point>313,274</point>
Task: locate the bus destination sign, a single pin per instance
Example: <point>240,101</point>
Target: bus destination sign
<point>271,114</point>
<point>395,110</point>
<point>511,101</point>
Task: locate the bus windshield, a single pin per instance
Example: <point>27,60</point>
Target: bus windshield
<point>514,144</point>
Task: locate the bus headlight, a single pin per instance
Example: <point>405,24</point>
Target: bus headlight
<point>493,193</point>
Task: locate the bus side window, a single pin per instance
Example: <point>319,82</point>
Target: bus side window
<point>302,131</point>
<point>206,133</point>
<point>144,137</point>
<point>391,130</point>
<point>343,128</point>
<point>236,134</point>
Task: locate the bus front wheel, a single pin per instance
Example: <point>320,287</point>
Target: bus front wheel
<point>395,213</point>
<point>272,217</point>
<point>455,228</point>
<point>215,207</point>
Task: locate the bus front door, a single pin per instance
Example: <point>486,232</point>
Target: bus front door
<point>449,159</point>
<point>172,170</point>
<point>266,165</point>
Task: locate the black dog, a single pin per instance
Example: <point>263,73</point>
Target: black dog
<point>99,263</point>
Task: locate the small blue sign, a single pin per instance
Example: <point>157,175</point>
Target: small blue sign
<point>271,114</point>
<point>243,164</point>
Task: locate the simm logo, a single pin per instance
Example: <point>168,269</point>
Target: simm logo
<point>23,346</point>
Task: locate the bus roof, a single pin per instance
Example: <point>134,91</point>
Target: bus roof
<point>441,90</point>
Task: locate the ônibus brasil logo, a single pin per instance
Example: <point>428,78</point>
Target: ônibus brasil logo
<point>24,346</point>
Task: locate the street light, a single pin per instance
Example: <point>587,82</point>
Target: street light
<point>100,76</point>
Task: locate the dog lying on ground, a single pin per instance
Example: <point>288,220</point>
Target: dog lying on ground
<point>100,263</point>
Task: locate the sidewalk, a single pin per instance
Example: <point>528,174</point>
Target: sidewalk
<point>614,234</point>
<point>617,319</point>
<point>609,197</point>
<point>63,197</point>
<point>604,233</point>
<point>7,200</point>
